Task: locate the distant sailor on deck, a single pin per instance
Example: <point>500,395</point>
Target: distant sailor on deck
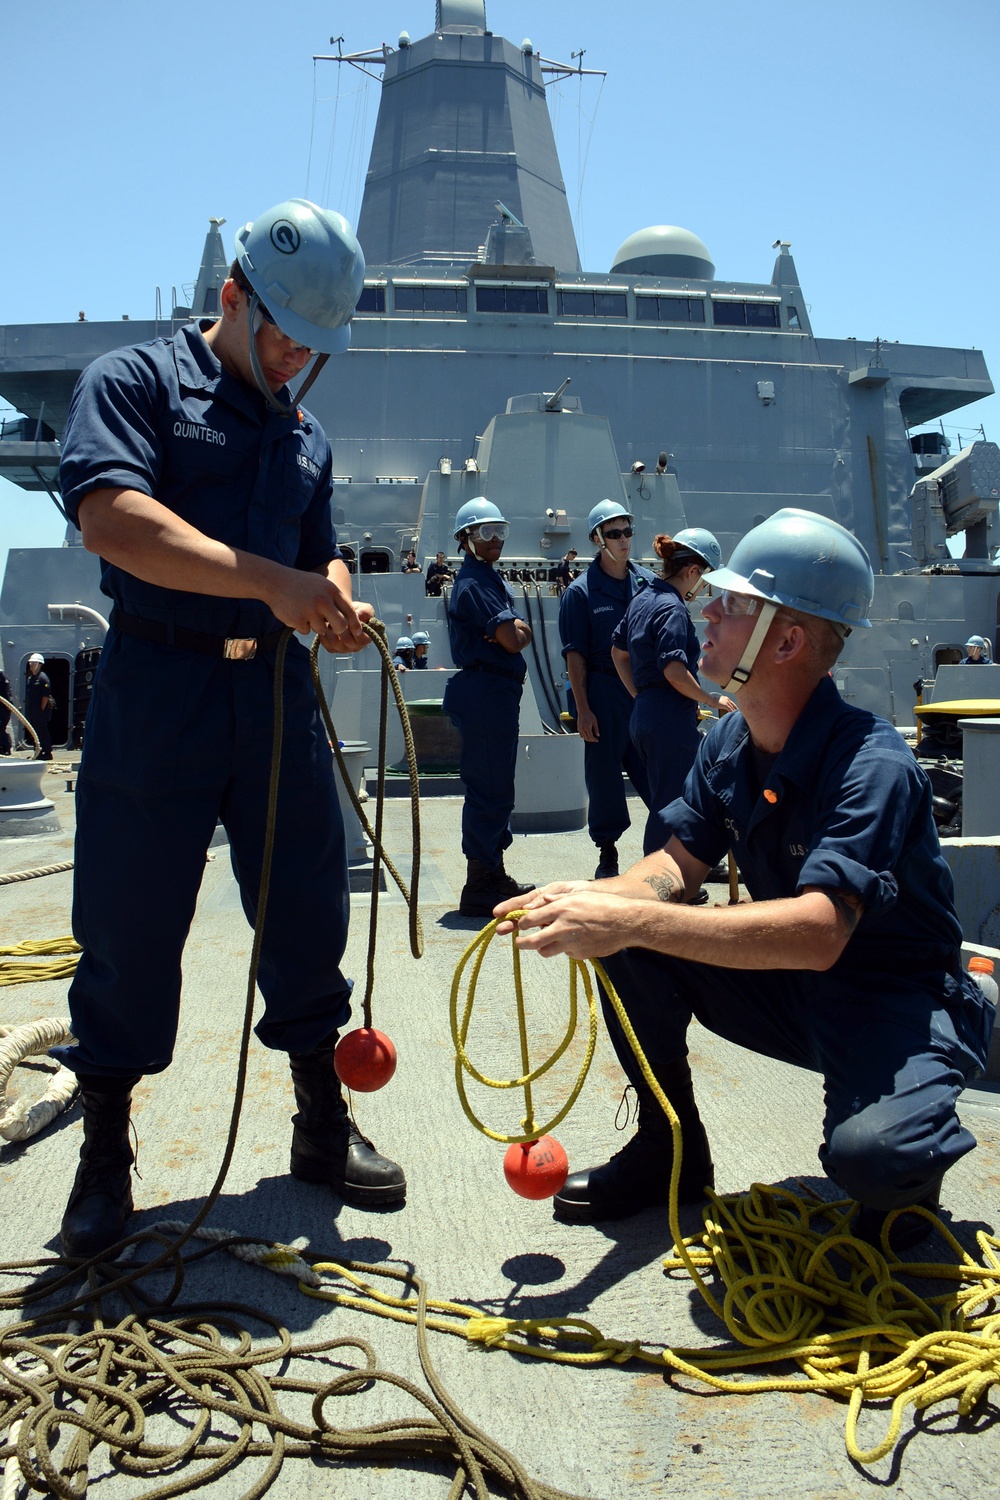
<point>977,652</point>
<point>205,488</point>
<point>483,700</point>
<point>846,962</point>
<point>38,703</point>
<point>589,612</point>
<point>655,650</point>
<point>421,647</point>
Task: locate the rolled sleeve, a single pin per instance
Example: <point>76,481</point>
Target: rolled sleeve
<point>502,617</point>
<point>111,436</point>
<point>862,838</point>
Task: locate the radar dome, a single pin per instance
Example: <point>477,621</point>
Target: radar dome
<point>665,250</point>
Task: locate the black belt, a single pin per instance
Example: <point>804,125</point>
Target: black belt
<point>602,671</point>
<point>227,647</point>
<point>485,666</point>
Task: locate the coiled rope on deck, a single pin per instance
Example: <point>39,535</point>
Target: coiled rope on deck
<point>19,1120</point>
<point>27,725</point>
<point>67,1394</point>
<point>795,1285</point>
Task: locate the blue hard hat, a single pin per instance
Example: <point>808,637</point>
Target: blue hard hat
<point>404,643</point>
<point>697,539</point>
<point>606,510</point>
<point>421,638</point>
<point>803,561</point>
<point>474,512</point>
<point>308,270</point>
<point>976,640</point>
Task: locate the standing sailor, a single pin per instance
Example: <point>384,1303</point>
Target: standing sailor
<point>656,650</point>
<point>38,703</point>
<point>483,700</point>
<point>589,612</point>
<point>205,488</point>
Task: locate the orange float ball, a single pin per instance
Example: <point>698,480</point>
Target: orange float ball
<point>536,1169</point>
<point>364,1059</point>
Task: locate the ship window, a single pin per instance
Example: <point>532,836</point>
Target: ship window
<point>746,314</point>
<point>211,300</point>
<point>428,298</point>
<point>372,299</point>
<point>670,309</point>
<point>793,318</point>
<point>593,304</point>
<point>512,299</point>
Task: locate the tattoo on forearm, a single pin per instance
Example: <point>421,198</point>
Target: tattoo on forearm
<point>847,907</point>
<point>665,887</point>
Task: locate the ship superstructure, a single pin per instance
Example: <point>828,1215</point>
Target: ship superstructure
<point>484,359</point>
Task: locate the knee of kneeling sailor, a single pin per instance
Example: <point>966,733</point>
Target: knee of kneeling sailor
<point>867,1158</point>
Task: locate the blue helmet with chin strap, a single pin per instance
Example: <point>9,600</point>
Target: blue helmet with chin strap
<point>797,560</point>
<point>307,269</point>
<point>421,638</point>
<point>306,272</point>
<point>806,562</point>
<point>606,510</point>
<point>404,643</point>
<point>474,513</point>
<point>696,539</point>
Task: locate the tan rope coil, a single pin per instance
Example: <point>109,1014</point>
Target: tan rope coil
<point>19,1121</point>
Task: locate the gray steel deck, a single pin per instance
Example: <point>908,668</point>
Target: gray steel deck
<point>602,1432</point>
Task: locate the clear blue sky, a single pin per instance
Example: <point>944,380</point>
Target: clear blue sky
<point>864,131</point>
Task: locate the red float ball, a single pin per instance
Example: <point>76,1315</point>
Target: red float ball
<point>536,1169</point>
<point>364,1059</point>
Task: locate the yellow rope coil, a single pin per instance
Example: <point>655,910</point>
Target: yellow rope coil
<point>780,1270</point>
<point>61,967</point>
<point>530,1129</point>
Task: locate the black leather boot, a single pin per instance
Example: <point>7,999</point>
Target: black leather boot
<point>638,1176</point>
<point>607,866</point>
<point>327,1146</point>
<point>485,887</point>
<point>101,1201</point>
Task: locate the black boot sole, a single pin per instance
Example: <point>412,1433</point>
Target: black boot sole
<point>574,1211</point>
<point>354,1194</point>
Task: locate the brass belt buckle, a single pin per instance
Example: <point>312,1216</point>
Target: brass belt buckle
<point>239,648</point>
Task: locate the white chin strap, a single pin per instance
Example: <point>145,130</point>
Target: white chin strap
<point>741,673</point>
<point>254,318</point>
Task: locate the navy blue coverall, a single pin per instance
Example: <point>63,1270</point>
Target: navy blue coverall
<point>657,629</point>
<point>483,702</point>
<point>895,1027</point>
<point>178,738</point>
<point>589,611</point>
<point>37,687</point>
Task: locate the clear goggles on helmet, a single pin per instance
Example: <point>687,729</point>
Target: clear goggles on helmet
<point>737,604</point>
<point>490,531</point>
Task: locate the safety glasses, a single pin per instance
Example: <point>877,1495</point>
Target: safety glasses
<point>492,531</point>
<point>269,319</point>
<point>617,534</point>
<point>738,604</point>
